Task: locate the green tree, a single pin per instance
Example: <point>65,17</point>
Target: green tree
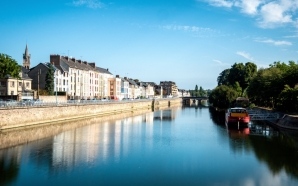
<point>9,66</point>
<point>266,86</point>
<point>202,92</point>
<point>287,100</point>
<point>222,79</point>
<point>243,74</point>
<point>223,96</point>
<point>49,86</point>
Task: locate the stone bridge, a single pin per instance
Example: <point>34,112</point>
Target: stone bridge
<point>193,100</point>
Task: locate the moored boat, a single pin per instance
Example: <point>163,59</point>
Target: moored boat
<point>237,116</point>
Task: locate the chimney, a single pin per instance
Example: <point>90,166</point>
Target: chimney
<point>55,59</point>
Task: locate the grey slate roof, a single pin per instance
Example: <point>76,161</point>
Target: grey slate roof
<point>103,70</point>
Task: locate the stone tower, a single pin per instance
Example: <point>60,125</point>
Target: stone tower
<point>26,58</point>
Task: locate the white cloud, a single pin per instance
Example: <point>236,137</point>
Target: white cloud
<point>249,6</point>
<point>274,14</point>
<point>94,4</point>
<point>245,55</point>
<point>268,13</point>
<point>276,43</point>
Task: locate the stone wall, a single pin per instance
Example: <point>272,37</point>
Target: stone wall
<point>35,116</point>
<point>288,121</point>
<point>9,138</point>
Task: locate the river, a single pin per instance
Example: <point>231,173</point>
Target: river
<point>177,146</point>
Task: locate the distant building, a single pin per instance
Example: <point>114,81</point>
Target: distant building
<point>79,79</point>
<point>17,89</point>
<point>115,88</point>
<point>169,88</point>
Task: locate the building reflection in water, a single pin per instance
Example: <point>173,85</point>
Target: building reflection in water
<point>100,142</point>
<point>164,115</point>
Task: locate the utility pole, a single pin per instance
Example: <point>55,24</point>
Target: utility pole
<point>38,74</point>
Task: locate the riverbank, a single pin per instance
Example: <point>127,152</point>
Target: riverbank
<point>285,121</point>
<point>38,116</point>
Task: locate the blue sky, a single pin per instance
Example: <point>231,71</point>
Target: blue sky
<point>186,41</point>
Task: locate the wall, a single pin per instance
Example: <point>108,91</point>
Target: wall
<point>35,116</point>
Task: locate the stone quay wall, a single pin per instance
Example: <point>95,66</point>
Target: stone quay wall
<point>36,116</point>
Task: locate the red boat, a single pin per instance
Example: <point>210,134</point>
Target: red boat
<point>237,116</point>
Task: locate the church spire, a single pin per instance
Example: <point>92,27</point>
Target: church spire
<point>26,58</point>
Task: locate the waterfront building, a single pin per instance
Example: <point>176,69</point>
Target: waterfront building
<point>169,88</point>
<point>124,88</point>
<point>183,93</point>
<point>38,76</point>
<point>17,89</point>
<point>83,80</point>
<point>103,82</point>
<point>133,90</point>
<point>115,87</point>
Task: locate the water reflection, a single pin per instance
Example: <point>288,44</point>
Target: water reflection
<point>277,148</point>
<point>9,166</point>
<point>169,147</point>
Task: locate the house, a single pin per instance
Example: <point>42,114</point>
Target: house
<point>17,89</point>
<point>169,88</point>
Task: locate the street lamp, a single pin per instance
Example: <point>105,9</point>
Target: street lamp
<point>56,79</point>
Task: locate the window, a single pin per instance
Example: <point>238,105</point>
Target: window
<point>12,84</point>
<point>27,84</point>
<point>20,84</point>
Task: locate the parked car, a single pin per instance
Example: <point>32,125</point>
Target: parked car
<point>37,102</point>
<point>71,101</point>
<point>1,103</point>
<point>26,102</point>
<point>10,102</point>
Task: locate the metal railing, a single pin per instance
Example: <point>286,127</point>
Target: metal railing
<point>262,115</point>
<point>38,103</point>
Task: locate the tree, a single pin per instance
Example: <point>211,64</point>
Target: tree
<point>287,99</point>
<point>202,92</point>
<point>242,74</point>
<point>266,86</point>
<point>223,96</point>
<point>9,66</point>
<point>49,86</point>
<point>222,79</point>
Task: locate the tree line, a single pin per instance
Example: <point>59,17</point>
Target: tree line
<point>275,87</point>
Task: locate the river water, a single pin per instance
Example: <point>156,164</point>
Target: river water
<point>177,146</point>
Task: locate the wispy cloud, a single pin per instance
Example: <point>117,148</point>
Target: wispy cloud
<point>220,63</point>
<point>194,30</point>
<point>186,28</point>
<point>245,55</point>
<point>268,13</point>
<point>94,4</point>
<point>275,42</point>
<point>221,3</point>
